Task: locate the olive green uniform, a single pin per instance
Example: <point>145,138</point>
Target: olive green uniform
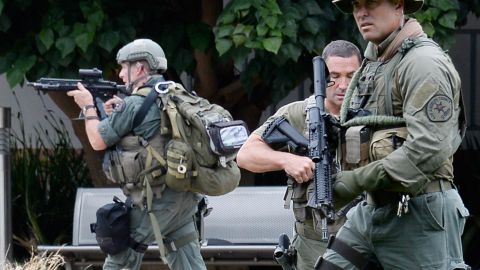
<point>306,241</point>
<point>420,85</point>
<point>173,210</point>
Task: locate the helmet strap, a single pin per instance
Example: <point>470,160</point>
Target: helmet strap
<point>131,85</point>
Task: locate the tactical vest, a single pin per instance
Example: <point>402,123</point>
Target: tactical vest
<point>133,164</point>
<point>373,137</point>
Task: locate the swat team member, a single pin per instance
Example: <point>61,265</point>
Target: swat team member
<point>142,61</point>
<point>413,217</point>
<point>342,59</point>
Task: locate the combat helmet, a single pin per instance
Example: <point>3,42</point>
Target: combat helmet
<point>143,49</point>
<point>410,6</point>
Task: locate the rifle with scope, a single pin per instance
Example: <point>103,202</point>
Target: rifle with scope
<point>90,78</point>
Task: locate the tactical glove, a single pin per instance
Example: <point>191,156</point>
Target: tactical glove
<point>349,184</point>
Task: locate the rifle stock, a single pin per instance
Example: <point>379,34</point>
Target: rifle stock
<point>322,198</point>
<point>280,133</point>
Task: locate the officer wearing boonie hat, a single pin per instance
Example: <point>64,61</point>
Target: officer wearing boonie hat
<point>412,216</point>
<point>410,6</point>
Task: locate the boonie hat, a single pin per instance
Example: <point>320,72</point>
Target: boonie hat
<point>410,6</point>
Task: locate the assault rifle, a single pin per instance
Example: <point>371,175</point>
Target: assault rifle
<point>322,198</point>
<point>92,80</point>
<point>280,134</point>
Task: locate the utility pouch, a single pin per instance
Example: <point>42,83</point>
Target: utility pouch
<point>111,229</point>
<point>299,199</point>
<point>385,141</point>
<point>357,141</point>
<point>227,137</point>
<point>123,167</point>
<point>180,166</point>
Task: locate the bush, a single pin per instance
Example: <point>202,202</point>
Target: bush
<point>46,172</point>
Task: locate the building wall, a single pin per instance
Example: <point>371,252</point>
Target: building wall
<point>33,108</point>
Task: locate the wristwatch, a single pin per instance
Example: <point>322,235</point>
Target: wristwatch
<point>87,107</point>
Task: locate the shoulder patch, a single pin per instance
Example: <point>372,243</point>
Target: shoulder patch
<point>439,108</point>
<point>119,106</point>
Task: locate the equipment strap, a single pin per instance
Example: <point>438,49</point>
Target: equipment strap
<point>142,112</point>
<point>349,253</point>
<point>174,245</point>
<point>153,219</point>
<point>137,246</point>
<point>323,264</point>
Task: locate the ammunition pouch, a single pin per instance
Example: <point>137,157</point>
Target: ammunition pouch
<point>385,141</point>
<point>356,146</point>
<point>132,162</point>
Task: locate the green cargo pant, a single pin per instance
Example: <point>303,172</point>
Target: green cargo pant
<point>308,244</point>
<point>427,237</point>
<point>175,213</point>
<point>308,251</point>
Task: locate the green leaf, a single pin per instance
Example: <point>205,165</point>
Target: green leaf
<point>311,24</point>
<point>223,31</point>
<point>448,19</point>
<point>292,13</point>
<point>272,44</point>
<point>83,41</point>
<point>226,18</point>
<point>109,40</point>
<point>291,51</point>
<point>240,55</point>
<point>276,33</point>
<point>272,6</point>
<point>6,61</point>
<point>239,39</point>
<point>262,30</point>
<point>1,6</point>
<point>199,35</point>
<point>271,21</point>
<point>311,6</point>
<point>290,30</point>
<point>24,64</point>
<point>96,18</point>
<point>14,77</point>
<point>223,45</point>
<point>445,5</point>
<point>239,28</point>
<point>308,43</point>
<point>253,44</point>
<point>428,29</point>
<point>46,37</point>
<point>65,45</point>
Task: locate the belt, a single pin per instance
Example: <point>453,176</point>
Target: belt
<point>381,198</point>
